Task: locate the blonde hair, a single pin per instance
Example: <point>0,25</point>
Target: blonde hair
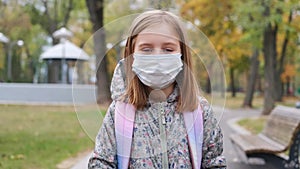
<point>136,91</point>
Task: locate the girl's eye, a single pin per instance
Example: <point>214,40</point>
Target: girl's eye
<point>147,49</point>
<point>168,50</point>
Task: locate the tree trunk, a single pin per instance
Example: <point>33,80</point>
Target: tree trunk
<point>208,85</point>
<point>16,66</point>
<point>269,49</point>
<point>232,85</point>
<point>6,52</point>
<point>252,79</point>
<point>288,86</point>
<point>259,84</point>
<point>96,15</point>
<point>279,84</point>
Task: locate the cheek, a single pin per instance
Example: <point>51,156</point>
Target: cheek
<point>179,50</point>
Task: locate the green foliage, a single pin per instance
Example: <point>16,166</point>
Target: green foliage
<point>15,24</point>
<point>29,22</point>
<point>254,16</point>
<point>217,20</point>
<point>117,19</point>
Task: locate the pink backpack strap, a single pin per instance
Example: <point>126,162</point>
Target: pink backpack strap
<point>124,121</point>
<point>194,127</point>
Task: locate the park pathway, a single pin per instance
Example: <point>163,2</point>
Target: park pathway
<point>229,127</point>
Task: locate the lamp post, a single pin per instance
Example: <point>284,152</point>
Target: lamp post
<point>63,34</point>
<point>9,59</point>
<point>3,38</point>
<point>6,40</point>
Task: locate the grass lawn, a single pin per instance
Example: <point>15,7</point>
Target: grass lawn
<point>37,137</point>
<point>254,125</point>
<point>258,101</point>
<point>237,102</point>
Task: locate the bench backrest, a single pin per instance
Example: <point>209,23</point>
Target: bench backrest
<point>283,125</point>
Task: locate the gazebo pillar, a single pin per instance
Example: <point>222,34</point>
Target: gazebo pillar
<point>63,34</point>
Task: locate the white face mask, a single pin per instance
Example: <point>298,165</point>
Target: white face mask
<point>157,71</point>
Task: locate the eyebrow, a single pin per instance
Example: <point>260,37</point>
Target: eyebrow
<point>170,43</point>
<point>149,44</point>
<point>144,44</point>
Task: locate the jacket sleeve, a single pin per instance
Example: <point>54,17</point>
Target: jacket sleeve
<point>213,140</point>
<point>104,156</point>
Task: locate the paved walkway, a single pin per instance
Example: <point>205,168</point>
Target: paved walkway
<point>47,94</point>
<point>228,127</point>
<point>82,164</point>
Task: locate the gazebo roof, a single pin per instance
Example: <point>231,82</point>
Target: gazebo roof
<point>65,50</point>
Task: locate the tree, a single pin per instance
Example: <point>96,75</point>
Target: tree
<point>265,21</point>
<point>55,14</point>
<point>15,24</point>
<point>95,8</point>
<point>279,82</point>
<point>220,28</point>
<point>270,54</point>
<point>273,85</point>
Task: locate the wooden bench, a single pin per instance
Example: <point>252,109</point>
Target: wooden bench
<point>280,135</point>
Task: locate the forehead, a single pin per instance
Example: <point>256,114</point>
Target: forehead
<point>159,32</point>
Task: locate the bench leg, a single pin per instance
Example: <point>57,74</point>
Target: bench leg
<point>276,161</point>
<point>241,154</point>
<point>270,159</point>
<point>293,161</point>
<point>280,163</point>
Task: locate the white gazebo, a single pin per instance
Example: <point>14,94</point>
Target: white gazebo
<point>64,60</point>
<point>65,50</point>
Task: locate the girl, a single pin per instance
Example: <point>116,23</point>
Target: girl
<point>160,121</point>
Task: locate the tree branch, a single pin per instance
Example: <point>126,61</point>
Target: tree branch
<point>284,45</point>
<point>68,13</point>
<point>52,25</point>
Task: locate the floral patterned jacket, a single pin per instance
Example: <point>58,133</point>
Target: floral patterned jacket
<point>146,151</point>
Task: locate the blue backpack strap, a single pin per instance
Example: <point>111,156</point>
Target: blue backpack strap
<point>194,127</point>
<point>124,121</point>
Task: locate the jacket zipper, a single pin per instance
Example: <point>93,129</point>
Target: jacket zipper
<point>163,137</point>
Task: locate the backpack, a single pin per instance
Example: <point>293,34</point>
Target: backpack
<point>124,122</point>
